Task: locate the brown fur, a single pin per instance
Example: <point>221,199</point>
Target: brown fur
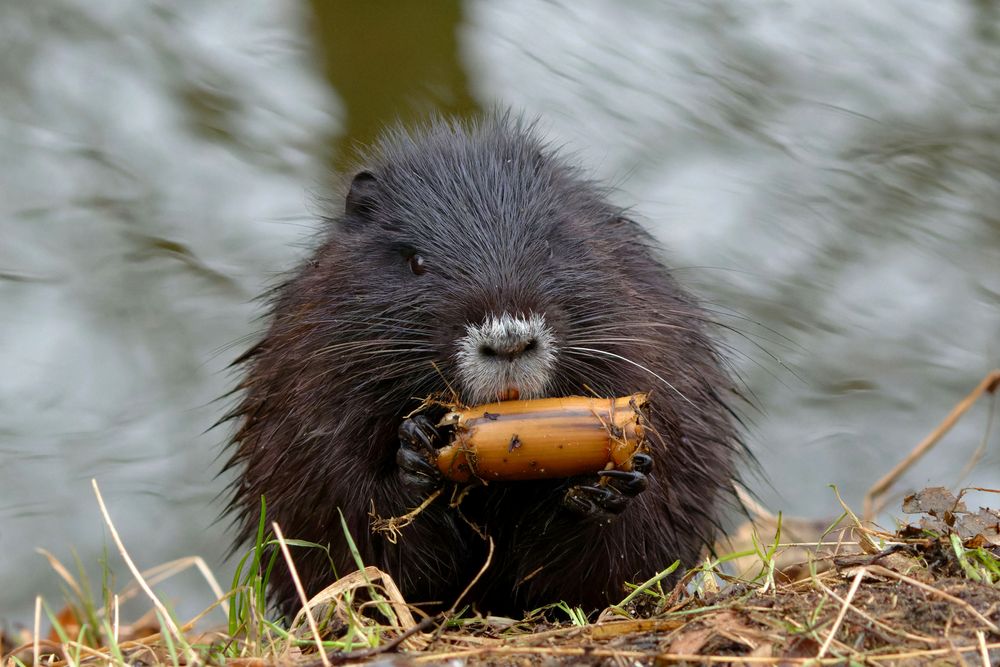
<point>355,338</point>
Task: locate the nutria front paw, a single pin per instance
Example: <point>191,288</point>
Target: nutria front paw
<point>611,497</point>
<point>417,449</point>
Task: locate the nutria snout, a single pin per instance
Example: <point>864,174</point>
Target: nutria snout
<point>505,353</point>
<point>472,259</point>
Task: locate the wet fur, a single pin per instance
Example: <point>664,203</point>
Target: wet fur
<point>355,337</point>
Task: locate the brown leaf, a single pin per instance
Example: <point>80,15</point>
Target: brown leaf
<point>934,500</point>
<point>726,624</point>
<point>689,643</point>
<point>802,647</point>
<point>70,622</point>
<point>934,525</point>
<point>976,542</point>
<point>985,522</point>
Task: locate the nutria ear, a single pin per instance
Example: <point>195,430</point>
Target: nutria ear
<point>362,198</point>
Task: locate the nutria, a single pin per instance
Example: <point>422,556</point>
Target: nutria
<point>470,258</point>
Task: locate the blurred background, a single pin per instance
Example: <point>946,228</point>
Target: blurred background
<point>828,179</point>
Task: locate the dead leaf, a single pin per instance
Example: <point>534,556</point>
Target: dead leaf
<point>691,642</point>
<point>934,500</point>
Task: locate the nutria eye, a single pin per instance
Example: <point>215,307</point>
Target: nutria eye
<point>417,265</point>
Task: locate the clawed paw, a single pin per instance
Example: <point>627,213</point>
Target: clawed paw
<point>611,494</point>
<point>417,448</point>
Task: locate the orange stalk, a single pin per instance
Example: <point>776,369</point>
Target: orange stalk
<point>542,438</point>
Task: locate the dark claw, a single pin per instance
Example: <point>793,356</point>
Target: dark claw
<point>642,462</point>
<point>629,483</point>
<point>594,500</point>
<point>418,433</point>
<point>417,439</point>
<point>613,496</point>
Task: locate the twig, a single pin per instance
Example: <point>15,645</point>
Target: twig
<point>35,648</point>
<point>865,541</point>
<point>955,654</point>
<point>983,653</point>
<point>989,384</point>
<point>886,572</point>
<point>394,524</point>
<point>301,591</point>
<point>64,647</point>
<point>340,657</point>
<point>206,573</point>
<point>458,600</point>
<point>61,570</point>
<point>607,630</point>
<point>482,570</point>
<point>843,612</point>
<point>167,619</point>
<point>874,621</point>
<point>600,652</point>
<point>164,571</point>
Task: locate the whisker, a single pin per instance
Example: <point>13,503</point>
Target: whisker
<point>637,365</point>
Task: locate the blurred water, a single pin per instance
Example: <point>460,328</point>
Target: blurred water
<point>157,163</point>
<point>831,175</point>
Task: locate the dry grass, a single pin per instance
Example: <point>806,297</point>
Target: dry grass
<point>845,593</point>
